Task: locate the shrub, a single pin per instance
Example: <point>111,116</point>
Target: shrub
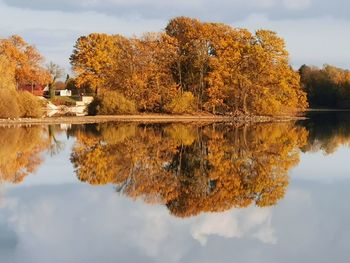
<point>30,106</point>
<point>184,103</point>
<point>112,103</point>
<point>66,101</point>
<point>9,107</point>
<point>94,107</point>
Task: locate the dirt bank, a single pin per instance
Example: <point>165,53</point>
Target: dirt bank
<point>146,118</point>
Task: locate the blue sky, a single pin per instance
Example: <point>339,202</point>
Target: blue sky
<point>315,31</point>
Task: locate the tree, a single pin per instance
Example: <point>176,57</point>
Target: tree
<point>93,59</point>
<point>25,60</point>
<point>225,69</point>
<point>7,76</point>
<point>55,72</point>
<point>326,87</point>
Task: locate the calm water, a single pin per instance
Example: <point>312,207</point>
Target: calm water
<point>176,192</point>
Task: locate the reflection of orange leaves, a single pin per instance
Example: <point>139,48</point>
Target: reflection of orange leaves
<point>222,167</point>
<point>20,152</point>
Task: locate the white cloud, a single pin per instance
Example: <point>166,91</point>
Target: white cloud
<point>311,39</point>
<point>297,4</point>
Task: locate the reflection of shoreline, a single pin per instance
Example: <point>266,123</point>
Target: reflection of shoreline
<point>148,118</point>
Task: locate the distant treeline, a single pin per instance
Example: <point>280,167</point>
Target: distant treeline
<point>192,66</point>
<point>327,87</point>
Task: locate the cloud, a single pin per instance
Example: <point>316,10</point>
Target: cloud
<point>297,4</point>
<point>315,32</point>
<point>222,10</point>
<point>313,41</point>
<point>225,10</point>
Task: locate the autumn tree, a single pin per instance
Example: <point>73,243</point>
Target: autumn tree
<point>7,76</point>
<point>92,60</point>
<point>194,51</point>
<point>139,69</point>
<point>25,60</point>
<point>328,86</point>
<point>225,69</point>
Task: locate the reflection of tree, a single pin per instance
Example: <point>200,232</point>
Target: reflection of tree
<point>20,152</point>
<point>55,145</point>
<point>192,169</point>
<point>246,165</point>
<point>327,131</point>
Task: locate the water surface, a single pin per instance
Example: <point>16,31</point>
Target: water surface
<point>176,192</point>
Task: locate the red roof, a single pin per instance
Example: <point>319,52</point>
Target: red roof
<point>37,90</point>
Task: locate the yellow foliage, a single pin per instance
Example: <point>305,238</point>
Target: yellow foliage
<point>14,104</point>
<point>9,107</point>
<point>224,68</point>
<point>183,103</point>
<point>30,105</point>
<point>24,60</point>
<point>112,103</point>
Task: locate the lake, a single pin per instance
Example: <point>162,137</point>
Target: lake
<point>133,192</point>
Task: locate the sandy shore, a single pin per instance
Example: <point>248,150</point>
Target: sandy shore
<point>145,118</point>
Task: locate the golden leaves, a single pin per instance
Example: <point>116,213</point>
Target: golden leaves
<point>226,69</point>
<point>25,61</point>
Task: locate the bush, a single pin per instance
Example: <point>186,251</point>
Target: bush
<point>184,103</point>
<point>112,103</point>
<point>14,104</point>
<point>9,107</point>
<point>66,101</point>
<point>30,105</point>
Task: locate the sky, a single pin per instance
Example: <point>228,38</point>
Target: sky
<point>316,31</point>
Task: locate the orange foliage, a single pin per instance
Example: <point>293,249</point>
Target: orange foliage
<point>25,61</point>
<point>226,69</point>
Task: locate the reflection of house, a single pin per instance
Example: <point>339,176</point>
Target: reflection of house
<point>36,89</point>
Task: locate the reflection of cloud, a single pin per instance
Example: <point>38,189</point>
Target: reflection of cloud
<point>84,224</point>
<point>80,223</point>
<point>251,222</point>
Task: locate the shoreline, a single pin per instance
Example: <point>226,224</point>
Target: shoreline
<point>147,118</point>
